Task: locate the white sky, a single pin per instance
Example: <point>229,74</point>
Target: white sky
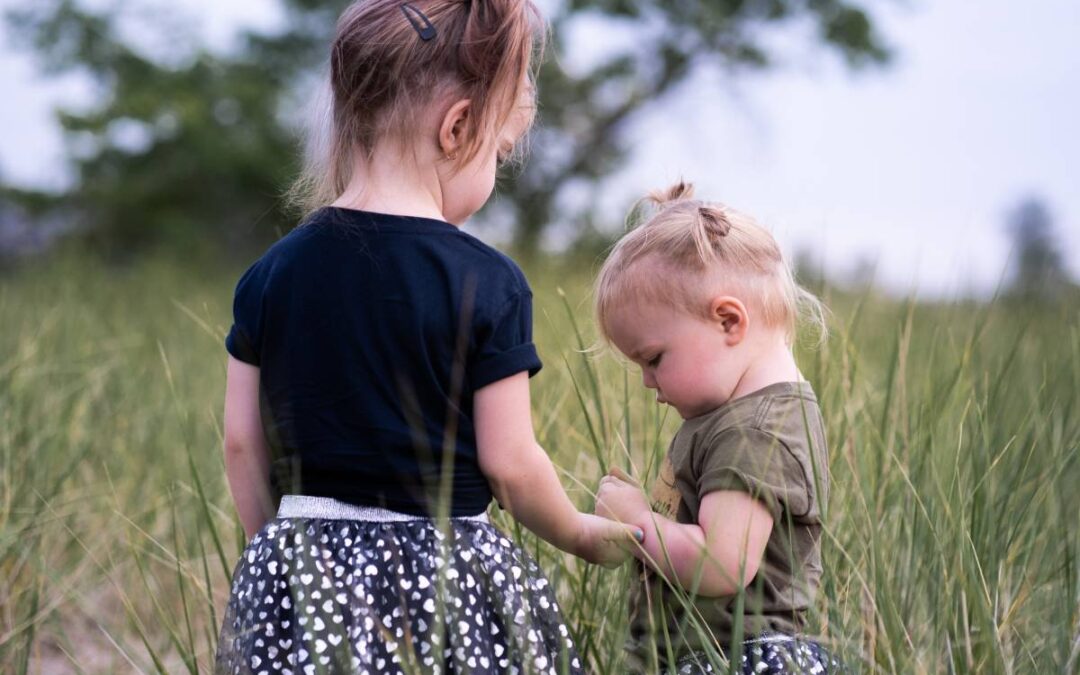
<point>913,167</point>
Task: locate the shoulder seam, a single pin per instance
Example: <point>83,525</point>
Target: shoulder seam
<point>505,262</point>
<point>762,411</point>
<point>499,314</point>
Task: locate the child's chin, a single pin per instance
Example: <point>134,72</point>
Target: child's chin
<point>694,411</point>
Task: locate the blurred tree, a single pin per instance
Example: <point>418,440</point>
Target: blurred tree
<point>206,146</point>
<point>186,155</point>
<point>1039,271</point>
<point>584,116</point>
<point>29,222</point>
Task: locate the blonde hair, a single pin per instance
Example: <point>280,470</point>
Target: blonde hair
<point>688,249</point>
<point>384,75</point>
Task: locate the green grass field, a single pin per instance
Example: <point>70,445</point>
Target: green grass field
<point>953,536</point>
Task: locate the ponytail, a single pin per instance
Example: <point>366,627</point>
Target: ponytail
<point>675,192</point>
<point>705,224</point>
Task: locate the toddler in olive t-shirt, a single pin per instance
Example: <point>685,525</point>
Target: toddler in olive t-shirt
<point>700,297</point>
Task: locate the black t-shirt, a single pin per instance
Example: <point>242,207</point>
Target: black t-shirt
<point>372,332</point>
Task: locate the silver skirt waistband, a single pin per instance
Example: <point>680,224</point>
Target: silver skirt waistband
<point>327,508</point>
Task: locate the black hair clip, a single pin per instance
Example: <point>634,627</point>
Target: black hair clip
<point>419,22</point>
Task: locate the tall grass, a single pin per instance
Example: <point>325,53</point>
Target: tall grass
<point>952,542</point>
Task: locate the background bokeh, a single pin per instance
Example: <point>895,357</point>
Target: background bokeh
<point>904,169</point>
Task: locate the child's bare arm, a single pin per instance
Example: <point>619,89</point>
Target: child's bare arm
<point>524,480</point>
<point>707,556</point>
<point>247,458</point>
<point>737,528</point>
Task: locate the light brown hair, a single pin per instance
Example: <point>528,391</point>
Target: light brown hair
<point>688,249</point>
<point>384,76</point>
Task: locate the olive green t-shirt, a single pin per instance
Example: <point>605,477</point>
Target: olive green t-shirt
<point>770,443</point>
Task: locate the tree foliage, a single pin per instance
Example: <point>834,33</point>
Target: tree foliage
<point>202,150</point>
<point>1039,271</point>
<point>183,155</point>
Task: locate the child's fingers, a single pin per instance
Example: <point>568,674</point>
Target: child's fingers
<point>616,472</point>
<point>603,509</point>
<point>623,533</point>
<point>613,553</point>
<point>608,483</point>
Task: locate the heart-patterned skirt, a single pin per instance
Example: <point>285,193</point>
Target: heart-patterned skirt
<point>330,588</point>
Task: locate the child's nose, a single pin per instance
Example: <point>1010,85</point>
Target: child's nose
<point>648,380</point>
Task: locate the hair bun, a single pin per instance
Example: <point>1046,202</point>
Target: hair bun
<point>674,193</point>
<point>714,220</point>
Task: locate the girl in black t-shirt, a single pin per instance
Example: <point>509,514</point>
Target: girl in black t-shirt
<point>378,377</point>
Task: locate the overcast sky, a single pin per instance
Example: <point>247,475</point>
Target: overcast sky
<point>913,167</point>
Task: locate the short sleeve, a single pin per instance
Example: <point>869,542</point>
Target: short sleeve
<point>243,338</point>
<point>504,343</point>
<point>754,461</point>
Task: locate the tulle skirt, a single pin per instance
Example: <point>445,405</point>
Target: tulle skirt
<point>328,587</point>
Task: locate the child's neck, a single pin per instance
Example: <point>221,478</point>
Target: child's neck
<point>773,362</point>
<point>391,184</point>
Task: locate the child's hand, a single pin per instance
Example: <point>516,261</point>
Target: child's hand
<point>621,499</point>
<point>604,542</point>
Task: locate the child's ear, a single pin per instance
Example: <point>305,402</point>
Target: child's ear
<point>730,316</point>
<point>452,129</point>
